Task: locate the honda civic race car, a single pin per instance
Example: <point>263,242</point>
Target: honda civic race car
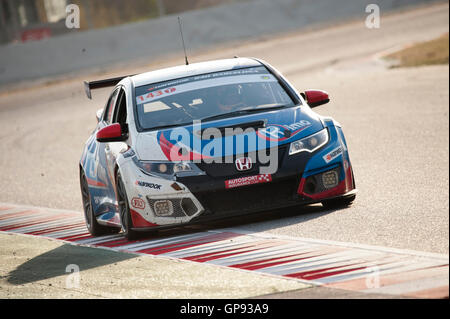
<point>208,140</point>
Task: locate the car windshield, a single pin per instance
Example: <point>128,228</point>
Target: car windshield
<point>208,96</point>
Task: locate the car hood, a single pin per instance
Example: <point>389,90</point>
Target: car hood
<point>212,140</point>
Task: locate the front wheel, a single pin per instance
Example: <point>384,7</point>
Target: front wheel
<point>339,202</point>
<point>124,210</point>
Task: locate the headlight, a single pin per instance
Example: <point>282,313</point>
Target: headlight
<point>310,143</point>
<point>167,169</point>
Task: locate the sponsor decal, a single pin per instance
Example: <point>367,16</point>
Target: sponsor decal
<point>137,203</point>
<point>298,125</point>
<point>277,132</point>
<point>333,154</point>
<point>249,180</point>
<point>161,90</point>
<point>149,185</point>
<point>156,94</point>
<point>244,164</point>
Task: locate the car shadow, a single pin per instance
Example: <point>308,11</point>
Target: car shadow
<point>54,263</point>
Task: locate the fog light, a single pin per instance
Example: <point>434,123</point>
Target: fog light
<point>163,208</point>
<point>330,179</point>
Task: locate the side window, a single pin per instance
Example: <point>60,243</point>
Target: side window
<point>120,111</point>
<point>110,107</point>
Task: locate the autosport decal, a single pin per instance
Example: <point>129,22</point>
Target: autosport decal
<point>333,154</point>
<point>249,180</point>
<point>277,132</point>
<point>149,185</point>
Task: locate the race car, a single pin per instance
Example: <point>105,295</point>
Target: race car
<point>208,140</point>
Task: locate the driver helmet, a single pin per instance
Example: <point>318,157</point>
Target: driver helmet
<point>229,97</point>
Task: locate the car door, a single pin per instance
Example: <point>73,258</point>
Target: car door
<point>113,149</point>
<point>97,168</point>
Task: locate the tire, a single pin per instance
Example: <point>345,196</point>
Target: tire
<point>339,202</point>
<point>124,210</point>
<point>91,221</point>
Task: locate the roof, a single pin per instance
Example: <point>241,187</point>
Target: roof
<point>192,69</point>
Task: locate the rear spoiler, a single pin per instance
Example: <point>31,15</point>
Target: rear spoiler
<point>88,86</point>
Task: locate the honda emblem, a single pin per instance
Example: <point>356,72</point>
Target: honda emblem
<point>243,163</point>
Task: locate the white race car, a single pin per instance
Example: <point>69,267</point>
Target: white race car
<point>208,140</point>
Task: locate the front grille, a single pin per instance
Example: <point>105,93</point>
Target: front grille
<point>188,206</point>
<point>227,167</point>
<point>249,198</point>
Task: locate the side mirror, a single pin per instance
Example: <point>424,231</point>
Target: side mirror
<point>111,133</point>
<point>99,114</point>
<point>316,97</point>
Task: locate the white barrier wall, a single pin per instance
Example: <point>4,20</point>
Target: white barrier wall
<point>153,38</point>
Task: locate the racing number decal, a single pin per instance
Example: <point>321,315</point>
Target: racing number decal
<point>156,94</point>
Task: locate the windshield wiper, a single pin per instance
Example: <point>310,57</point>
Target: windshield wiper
<point>241,112</point>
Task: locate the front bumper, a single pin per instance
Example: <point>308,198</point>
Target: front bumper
<point>212,200</point>
<point>287,188</point>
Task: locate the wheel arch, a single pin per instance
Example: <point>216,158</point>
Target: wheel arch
<point>116,171</point>
<point>81,168</point>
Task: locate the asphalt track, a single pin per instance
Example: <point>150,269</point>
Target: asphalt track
<point>395,120</point>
